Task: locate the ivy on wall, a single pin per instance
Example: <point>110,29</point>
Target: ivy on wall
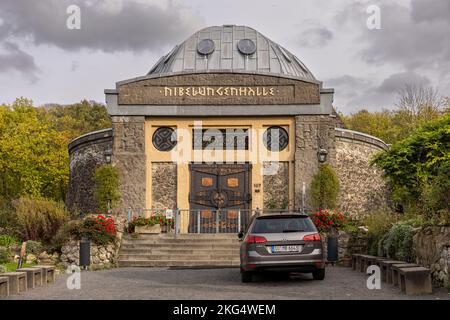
<point>106,193</point>
<point>324,188</point>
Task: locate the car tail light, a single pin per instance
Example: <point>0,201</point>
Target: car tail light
<point>312,237</point>
<point>256,239</point>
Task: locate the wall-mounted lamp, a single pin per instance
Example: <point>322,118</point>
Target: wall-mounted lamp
<point>108,156</point>
<point>322,155</point>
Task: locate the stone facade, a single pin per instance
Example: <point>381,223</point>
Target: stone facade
<point>164,185</point>
<point>276,185</point>
<point>362,187</point>
<point>130,160</point>
<point>311,133</point>
<point>432,250</point>
<point>100,255</point>
<point>86,154</point>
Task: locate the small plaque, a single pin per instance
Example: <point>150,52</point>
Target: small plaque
<point>232,214</point>
<point>233,182</point>
<point>205,214</point>
<point>207,182</point>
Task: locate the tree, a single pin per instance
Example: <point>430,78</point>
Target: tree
<point>418,168</point>
<point>33,155</point>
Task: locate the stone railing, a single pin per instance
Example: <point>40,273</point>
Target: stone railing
<point>356,136</point>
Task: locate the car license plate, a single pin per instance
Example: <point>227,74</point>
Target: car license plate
<point>278,249</point>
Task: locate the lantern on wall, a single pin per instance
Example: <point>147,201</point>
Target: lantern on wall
<point>322,155</point>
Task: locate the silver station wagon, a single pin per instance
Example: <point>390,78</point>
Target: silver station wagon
<point>283,242</point>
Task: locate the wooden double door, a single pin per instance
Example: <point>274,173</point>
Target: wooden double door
<point>219,193</point>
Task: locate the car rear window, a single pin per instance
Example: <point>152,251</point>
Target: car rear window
<point>279,224</point>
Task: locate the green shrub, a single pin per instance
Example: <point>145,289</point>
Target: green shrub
<point>398,242</point>
<point>39,219</point>
<point>4,255</point>
<point>106,193</point>
<point>380,222</point>
<point>324,188</point>
<point>34,247</point>
<point>7,241</point>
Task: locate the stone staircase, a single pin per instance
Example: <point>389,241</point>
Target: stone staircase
<point>187,250</point>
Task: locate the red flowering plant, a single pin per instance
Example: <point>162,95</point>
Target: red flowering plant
<point>100,229</point>
<point>326,220</point>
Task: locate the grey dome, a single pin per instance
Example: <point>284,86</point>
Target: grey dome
<point>270,57</point>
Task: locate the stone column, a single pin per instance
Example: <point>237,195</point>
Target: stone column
<point>311,133</point>
<point>129,158</point>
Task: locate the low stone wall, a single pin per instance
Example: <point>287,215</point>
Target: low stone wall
<point>100,255</point>
<point>432,250</point>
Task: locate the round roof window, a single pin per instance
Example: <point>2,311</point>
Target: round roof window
<point>246,46</point>
<point>206,46</point>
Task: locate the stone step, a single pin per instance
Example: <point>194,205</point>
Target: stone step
<point>180,251</point>
<point>179,263</point>
<point>193,257</point>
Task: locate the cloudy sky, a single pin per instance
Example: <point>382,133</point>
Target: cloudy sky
<point>41,59</point>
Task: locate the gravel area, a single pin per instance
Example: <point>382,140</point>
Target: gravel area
<point>166,283</point>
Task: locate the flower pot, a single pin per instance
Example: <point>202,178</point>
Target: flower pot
<point>148,229</point>
<point>346,261</point>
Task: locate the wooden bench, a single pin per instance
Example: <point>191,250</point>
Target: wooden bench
<point>415,280</point>
<point>394,271</point>
<point>17,282</point>
<point>48,274</point>
<point>34,276</point>
<point>386,274</point>
<point>4,287</point>
<point>365,261</point>
<point>356,261</point>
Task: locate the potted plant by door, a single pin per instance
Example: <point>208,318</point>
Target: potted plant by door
<point>147,225</point>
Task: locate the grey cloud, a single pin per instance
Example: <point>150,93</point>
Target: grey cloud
<point>128,25</point>
<point>315,37</point>
<point>397,81</point>
<point>423,10</point>
<point>15,59</point>
<point>405,41</point>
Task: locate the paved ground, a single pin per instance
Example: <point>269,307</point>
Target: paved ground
<point>163,283</point>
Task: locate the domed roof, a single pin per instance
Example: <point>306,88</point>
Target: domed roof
<point>231,48</point>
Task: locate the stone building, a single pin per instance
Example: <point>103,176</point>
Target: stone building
<point>225,86</point>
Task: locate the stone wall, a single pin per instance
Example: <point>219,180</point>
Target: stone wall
<point>276,185</point>
<point>363,188</point>
<point>129,158</point>
<point>432,250</point>
<point>100,255</point>
<point>311,133</point>
<point>86,153</point>
<point>164,185</point>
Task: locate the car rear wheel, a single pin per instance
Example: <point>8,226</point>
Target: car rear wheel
<point>246,276</point>
<point>319,274</point>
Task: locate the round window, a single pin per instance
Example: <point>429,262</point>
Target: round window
<point>205,46</point>
<point>276,138</point>
<point>164,139</point>
<point>246,46</point>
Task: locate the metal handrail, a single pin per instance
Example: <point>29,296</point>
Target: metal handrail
<point>204,221</point>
